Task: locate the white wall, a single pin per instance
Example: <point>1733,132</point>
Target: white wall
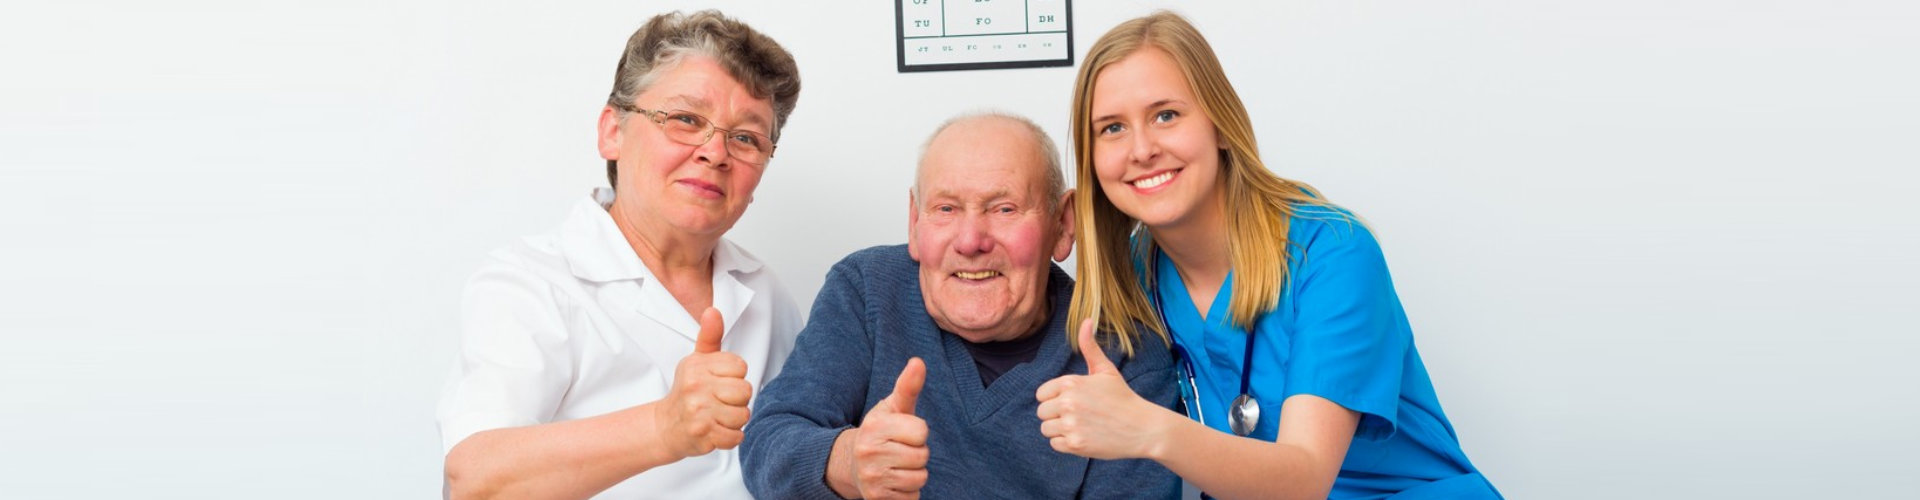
<point>1651,249</point>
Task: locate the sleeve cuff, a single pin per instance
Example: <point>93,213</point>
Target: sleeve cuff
<point>1376,423</point>
<point>799,467</point>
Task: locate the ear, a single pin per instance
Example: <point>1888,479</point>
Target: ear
<point>609,133</point>
<point>1064,247</point>
<point>913,221</point>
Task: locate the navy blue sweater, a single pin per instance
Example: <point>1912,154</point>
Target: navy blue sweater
<point>985,442</point>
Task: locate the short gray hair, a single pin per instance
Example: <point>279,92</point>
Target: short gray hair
<point>1056,180</point>
<point>759,63</point>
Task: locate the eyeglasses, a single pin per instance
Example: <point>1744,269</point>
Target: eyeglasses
<point>693,130</point>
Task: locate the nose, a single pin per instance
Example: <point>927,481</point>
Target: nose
<point>1142,148</point>
<point>714,153</point>
<point>976,237</point>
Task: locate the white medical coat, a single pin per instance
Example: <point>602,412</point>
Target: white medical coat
<point>572,324</point>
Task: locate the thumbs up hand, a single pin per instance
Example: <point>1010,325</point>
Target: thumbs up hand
<point>1097,415</point>
<point>890,445</point>
<point>707,405</point>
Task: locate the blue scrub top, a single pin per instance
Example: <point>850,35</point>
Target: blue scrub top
<point>1338,333</point>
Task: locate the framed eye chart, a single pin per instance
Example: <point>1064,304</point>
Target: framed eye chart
<point>947,35</point>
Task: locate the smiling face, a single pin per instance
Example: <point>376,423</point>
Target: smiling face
<point>1156,154</point>
<point>981,229</point>
<point>663,185</point>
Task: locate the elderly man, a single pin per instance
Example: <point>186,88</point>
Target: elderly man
<point>918,372</point>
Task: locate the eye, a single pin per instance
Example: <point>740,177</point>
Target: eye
<point>1004,210</point>
<point>1165,115</point>
<point>687,119</point>
<point>945,209</point>
<point>748,139</point>
<point>1111,128</point>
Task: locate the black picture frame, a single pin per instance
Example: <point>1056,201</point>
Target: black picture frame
<point>900,48</point>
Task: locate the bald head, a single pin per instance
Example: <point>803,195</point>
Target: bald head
<point>1012,137</point>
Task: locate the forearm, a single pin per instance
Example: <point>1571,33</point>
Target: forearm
<point>560,460</point>
<point>1232,467</point>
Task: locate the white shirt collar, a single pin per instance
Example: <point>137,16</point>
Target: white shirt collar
<point>596,250</point>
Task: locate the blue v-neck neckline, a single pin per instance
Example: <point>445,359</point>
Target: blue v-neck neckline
<point>1017,384</point>
<point>1213,360</point>
<point>1180,303</point>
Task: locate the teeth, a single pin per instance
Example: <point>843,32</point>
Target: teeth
<point>976,275</point>
<point>1150,182</point>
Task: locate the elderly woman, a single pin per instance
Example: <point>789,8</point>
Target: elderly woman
<point>615,355</point>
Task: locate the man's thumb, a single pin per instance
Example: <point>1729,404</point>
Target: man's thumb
<point>1097,362</point>
<point>710,330</point>
<point>906,389</point>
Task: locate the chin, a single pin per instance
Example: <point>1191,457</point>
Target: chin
<point>984,324</point>
<point>1160,216</point>
<point>702,223</point>
<point>976,329</point>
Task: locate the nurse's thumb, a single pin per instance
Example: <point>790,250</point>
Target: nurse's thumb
<point>906,389</point>
<point>710,330</point>
<point>1097,362</point>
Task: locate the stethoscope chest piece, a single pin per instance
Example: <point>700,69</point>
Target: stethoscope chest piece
<point>1244,413</point>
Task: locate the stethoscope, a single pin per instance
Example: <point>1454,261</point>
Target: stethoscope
<point>1244,413</point>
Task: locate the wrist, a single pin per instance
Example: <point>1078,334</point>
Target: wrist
<point>842,474</point>
<point>655,440</point>
<point>1162,432</point>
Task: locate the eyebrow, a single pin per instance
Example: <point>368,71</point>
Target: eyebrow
<point>1156,104</point>
<point>999,193</point>
<point>691,102</point>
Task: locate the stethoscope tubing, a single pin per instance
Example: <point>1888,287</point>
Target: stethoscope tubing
<point>1192,388</point>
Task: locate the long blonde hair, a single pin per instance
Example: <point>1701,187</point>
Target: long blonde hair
<point>1261,203</point>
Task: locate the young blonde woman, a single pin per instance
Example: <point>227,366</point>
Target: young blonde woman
<point>1298,367</point>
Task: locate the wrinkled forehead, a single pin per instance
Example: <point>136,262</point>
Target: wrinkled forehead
<point>1021,182</point>
<point>700,85</point>
<point>966,163</point>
